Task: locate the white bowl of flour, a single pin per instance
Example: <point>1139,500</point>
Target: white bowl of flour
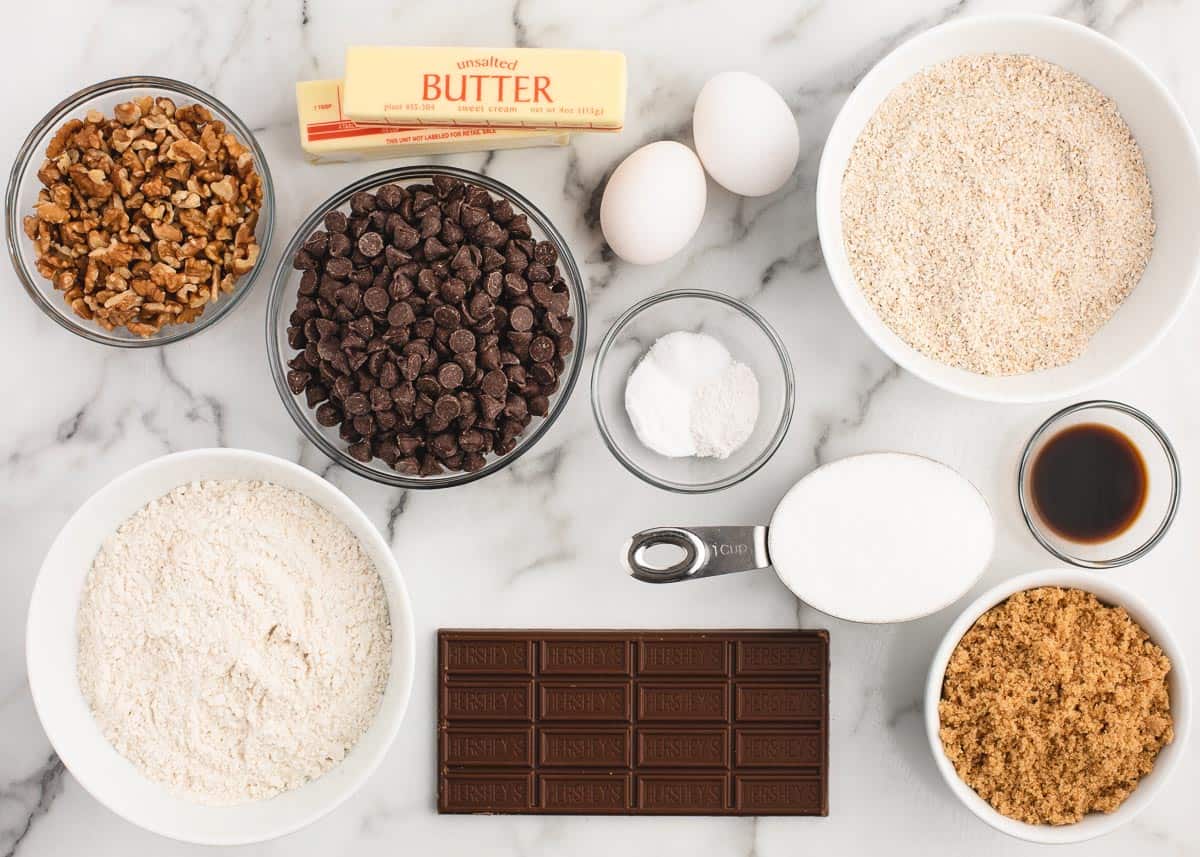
<point>1172,166</point>
<point>339,636</point>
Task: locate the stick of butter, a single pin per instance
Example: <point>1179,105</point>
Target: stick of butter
<point>328,136</point>
<point>486,87</point>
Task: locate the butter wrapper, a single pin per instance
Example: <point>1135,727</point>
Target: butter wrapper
<point>329,136</point>
<point>486,87</point>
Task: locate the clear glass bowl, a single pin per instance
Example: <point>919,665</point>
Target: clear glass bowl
<point>23,187</point>
<point>282,300</point>
<point>751,341</point>
<point>1162,489</point>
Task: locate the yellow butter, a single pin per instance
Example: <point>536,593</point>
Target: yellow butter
<point>486,87</point>
<point>328,136</point>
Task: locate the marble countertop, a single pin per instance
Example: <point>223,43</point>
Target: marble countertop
<point>76,415</point>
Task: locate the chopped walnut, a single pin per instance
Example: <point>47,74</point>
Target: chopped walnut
<point>147,217</point>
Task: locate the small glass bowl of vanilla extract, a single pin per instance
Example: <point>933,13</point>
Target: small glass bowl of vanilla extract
<point>1099,484</point>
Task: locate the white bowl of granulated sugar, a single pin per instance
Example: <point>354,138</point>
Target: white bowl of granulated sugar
<point>986,216</point>
<point>220,646</point>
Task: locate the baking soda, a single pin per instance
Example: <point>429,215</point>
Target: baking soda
<point>689,397</point>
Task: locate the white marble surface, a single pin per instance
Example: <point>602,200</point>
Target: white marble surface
<point>75,415</point>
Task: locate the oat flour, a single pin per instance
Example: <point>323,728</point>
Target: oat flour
<point>234,640</point>
<point>996,212</point>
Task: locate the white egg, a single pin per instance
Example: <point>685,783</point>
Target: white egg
<point>745,134</point>
<point>653,203</point>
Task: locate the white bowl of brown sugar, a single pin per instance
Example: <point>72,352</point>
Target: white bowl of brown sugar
<point>1057,706</point>
<point>1006,207</point>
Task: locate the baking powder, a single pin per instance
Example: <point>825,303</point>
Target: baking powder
<point>688,397</point>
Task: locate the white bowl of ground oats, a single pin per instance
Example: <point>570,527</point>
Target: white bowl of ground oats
<point>220,646</point>
<point>1006,207</point>
<point>1057,706</point>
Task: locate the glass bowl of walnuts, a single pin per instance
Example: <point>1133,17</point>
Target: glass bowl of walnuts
<point>422,326</point>
<point>139,212</point>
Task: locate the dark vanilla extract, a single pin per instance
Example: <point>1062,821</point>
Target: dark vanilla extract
<point>1089,483</point>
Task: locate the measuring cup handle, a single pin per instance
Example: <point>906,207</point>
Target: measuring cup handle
<point>708,551</point>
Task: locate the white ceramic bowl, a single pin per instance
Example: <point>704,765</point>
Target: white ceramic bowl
<point>1095,824</point>
<point>52,643</point>
<point>1172,163</point>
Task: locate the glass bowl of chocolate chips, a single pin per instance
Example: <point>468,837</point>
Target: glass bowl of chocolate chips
<point>422,326</point>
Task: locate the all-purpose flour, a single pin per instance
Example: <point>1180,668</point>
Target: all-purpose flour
<point>234,640</point>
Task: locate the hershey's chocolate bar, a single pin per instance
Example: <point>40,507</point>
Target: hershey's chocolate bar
<point>633,722</point>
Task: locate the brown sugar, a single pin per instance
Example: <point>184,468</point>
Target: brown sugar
<point>1055,705</point>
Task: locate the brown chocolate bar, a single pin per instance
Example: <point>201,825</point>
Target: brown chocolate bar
<point>634,722</point>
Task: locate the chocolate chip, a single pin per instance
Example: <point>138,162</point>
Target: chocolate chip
<point>541,349</point>
<point>521,319</point>
<point>297,381</point>
<point>471,440</point>
<point>446,316</point>
<point>390,196</point>
<point>328,415</point>
<point>505,445</point>
<point>429,328</point>
<point>447,407</point>
<point>514,260</point>
<point>314,394</point>
<point>494,384</point>
<point>445,185</point>
<point>317,245</point>
<point>450,375</point>
<point>515,285</point>
<point>428,385</point>
<point>405,237</point>
<point>490,407</point>
<point>401,314</point>
<point>544,374</point>
<point>329,348</point>
<point>423,328</point>
<point>489,234</point>
<point>462,341</point>
<point>335,221</point>
<point>370,244</point>
<point>515,407</point>
<point>357,404</point>
<point>362,202</point>
<point>364,425</point>
<point>559,304</point>
<point>343,387</point>
<point>502,211</point>
<point>389,375</point>
<point>339,267</point>
<point>468,360</point>
<point>453,290</point>
<point>376,300</point>
<point>381,399</point>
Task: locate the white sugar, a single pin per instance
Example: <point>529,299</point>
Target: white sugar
<point>881,537</point>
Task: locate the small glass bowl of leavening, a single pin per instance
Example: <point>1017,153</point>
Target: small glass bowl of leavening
<point>750,340</point>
